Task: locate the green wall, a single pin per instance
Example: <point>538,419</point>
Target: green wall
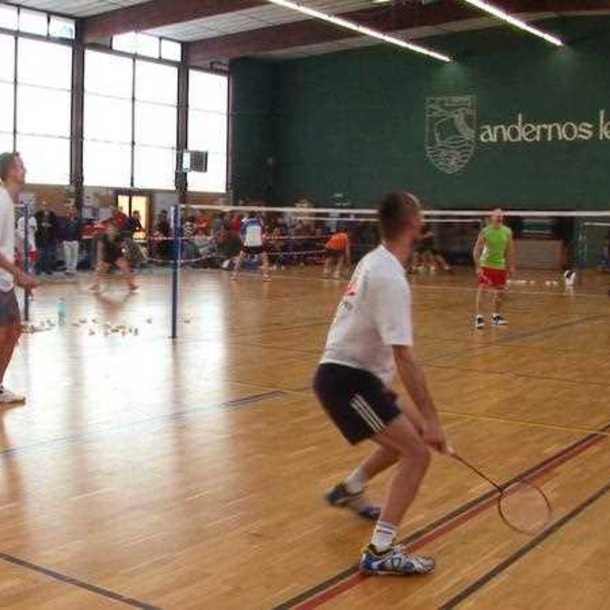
<point>252,92</point>
<point>355,122</point>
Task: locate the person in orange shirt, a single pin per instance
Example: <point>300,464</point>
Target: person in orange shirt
<point>338,253</point>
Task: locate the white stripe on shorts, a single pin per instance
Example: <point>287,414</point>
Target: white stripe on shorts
<point>367,413</point>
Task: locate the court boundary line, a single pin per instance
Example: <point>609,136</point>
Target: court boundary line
<point>455,601</point>
<point>168,418</point>
<point>330,588</point>
<point>515,337</point>
<point>77,582</point>
<point>519,375</point>
<point>474,288</point>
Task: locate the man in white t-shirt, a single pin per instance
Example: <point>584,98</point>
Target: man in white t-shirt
<point>12,175</point>
<point>253,244</point>
<point>371,338</point>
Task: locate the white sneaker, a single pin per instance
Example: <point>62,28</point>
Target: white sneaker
<point>8,398</point>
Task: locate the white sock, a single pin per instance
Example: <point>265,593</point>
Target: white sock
<point>384,536</point>
<point>356,481</point>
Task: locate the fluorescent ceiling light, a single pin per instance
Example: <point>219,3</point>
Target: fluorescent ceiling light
<point>518,23</point>
<point>361,29</point>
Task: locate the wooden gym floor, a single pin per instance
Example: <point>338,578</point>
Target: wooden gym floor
<point>146,474</point>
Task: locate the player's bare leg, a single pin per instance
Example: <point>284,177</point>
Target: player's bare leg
<point>328,265</point>
<point>9,337</point>
<point>497,317</point>
<point>350,493</point>
<point>442,263</point>
<point>101,271</point>
<point>479,320</point>
<point>383,555</point>
<point>125,269</point>
<point>238,263</point>
<point>265,260</point>
<point>339,266</point>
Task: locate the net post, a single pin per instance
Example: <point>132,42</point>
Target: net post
<point>26,259</point>
<point>176,255</point>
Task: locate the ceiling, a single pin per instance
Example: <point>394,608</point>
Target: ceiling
<point>225,29</point>
<point>253,19</point>
<point>77,8</point>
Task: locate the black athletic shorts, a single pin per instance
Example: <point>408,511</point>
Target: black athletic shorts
<point>253,250</point>
<point>357,401</point>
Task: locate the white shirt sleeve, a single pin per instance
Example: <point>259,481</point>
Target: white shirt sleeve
<point>391,301</point>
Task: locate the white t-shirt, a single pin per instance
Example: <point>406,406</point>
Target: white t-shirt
<point>7,237</point>
<point>374,315</point>
<point>32,227</point>
<point>252,232</point>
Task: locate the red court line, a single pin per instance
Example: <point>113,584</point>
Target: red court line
<point>355,579</point>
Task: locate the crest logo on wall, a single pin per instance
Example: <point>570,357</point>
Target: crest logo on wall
<point>451,131</point>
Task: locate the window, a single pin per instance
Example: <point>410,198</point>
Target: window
<point>9,19</point>
<point>154,167</point>
<point>125,42</point>
<point>155,125</point>
<point>7,52</point>
<point>43,111</point>
<point>146,45</point>
<point>171,50</point>
<point>156,119</point>
<point>47,159</point>
<point>7,90</point>
<point>208,125</point>
<point>44,63</point>
<point>7,105</point>
<point>107,119</point>
<point>59,27</point>
<point>107,122</point>
<point>33,22</point>
<point>109,131</point>
<point>6,142</point>
<point>107,164</point>
<point>44,75</point>
<point>108,75</point>
<point>156,83</point>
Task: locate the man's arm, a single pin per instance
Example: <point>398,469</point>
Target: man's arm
<point>510,256</point>
<point>22,279</point>
<point>414,381</point>
<point>478,251</point>
<point>348,255</point>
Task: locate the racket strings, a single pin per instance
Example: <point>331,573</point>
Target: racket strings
<point>524,507</point>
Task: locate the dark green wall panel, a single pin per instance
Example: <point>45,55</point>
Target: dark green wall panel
<point>355,122</point>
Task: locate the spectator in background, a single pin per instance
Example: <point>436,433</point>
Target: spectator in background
<point>71,235</point>
<point>162,234</point>
<point>189,228</point>
<point>134,224</point>
<point>33,252</point>
<point>218,223</point>
<point>46,238</point>
<point>235,223</point>
<point>201,221</point>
